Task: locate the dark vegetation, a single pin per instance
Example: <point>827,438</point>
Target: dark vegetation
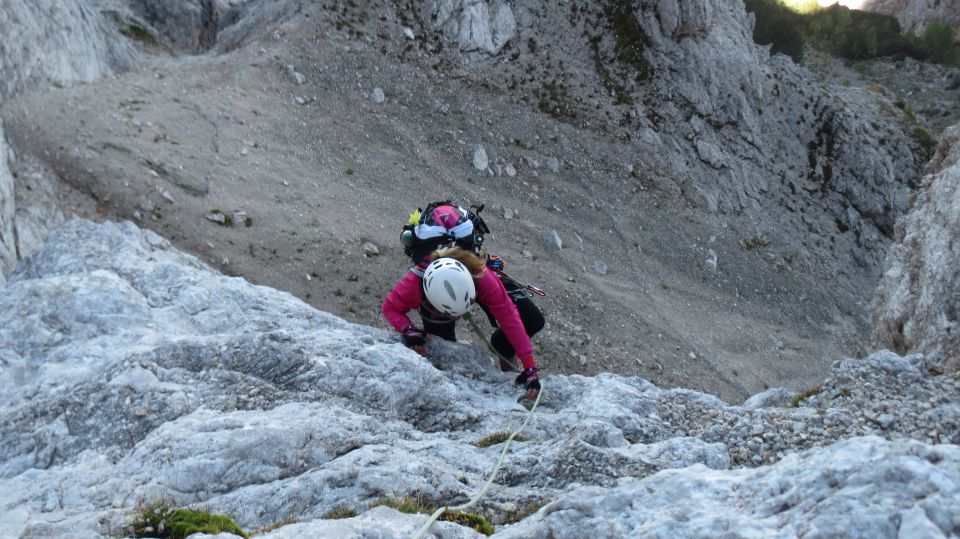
<point>848,33</point>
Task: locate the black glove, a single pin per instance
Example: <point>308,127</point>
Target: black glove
<point>531,381</point>
<point>413,336</point>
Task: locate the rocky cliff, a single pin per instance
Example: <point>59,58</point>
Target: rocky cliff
<point>916,307</point>
<point>132,373</point>
<point>56,43</point>
<point>915,15</point>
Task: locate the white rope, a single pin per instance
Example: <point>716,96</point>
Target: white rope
<point>423,530</point>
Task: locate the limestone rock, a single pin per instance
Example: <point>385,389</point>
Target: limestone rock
<point>479,27</point>
<point>480,159</point>
<point>189,26</point>
<point>8,247</point>
<point>134,373</point>
<point>62,41</point>
<point>554,240</point>
<point>699,502</point>
<point>776,396</point>
<point>917,301</point>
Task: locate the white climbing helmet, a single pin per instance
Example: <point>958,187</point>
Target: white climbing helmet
<point>449,286</point>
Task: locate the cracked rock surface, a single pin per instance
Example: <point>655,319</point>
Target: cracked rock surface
<point>132,373</point>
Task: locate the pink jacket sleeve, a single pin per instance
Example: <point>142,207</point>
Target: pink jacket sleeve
<point>490,292</point>
<point>404,297</point>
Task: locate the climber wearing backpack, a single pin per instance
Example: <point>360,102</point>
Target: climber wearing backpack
<point>450,273</point>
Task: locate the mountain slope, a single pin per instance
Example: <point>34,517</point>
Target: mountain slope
<point>722,218</point>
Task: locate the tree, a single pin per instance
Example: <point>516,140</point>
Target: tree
<point>937,40</point>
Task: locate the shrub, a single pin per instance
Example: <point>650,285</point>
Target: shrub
<point>937,41</point>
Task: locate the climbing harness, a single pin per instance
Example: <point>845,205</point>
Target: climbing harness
<point>436,514</point>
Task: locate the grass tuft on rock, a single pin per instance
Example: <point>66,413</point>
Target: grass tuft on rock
<point>161,520</point>
<point>498,438</point>
<point>470,520</point>
<point>140,34</point>
<point>803,395</point>
<point>340,512</point>
<point>405,504</point>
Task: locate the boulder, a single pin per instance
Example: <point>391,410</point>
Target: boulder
<point>478,27</point>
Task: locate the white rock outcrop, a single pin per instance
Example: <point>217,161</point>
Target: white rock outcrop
<point>917,306</point>
<point>57,42</point>
<point>132,373</point>
<point>477,26</point>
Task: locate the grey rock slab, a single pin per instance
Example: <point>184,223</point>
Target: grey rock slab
<point>131,372</point>
<point>840,490</point>
<point>914,309</point>
<point>8,246</point>
<point>33,225</point>
<point>478,27</point>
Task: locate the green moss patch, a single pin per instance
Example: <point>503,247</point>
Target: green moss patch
<point>162,521</point>
<point>470,520</point>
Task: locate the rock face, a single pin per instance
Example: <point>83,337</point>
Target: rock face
<point>478,27</point>
<point>8,241</point>
<point>746,114</point>
<point>685,79</point>
<point>190,26</point>
<point>57,42</point>
<point>915,15</point>
<point>132,373</point>
<point>917,306</point>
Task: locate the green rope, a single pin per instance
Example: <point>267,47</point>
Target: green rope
<point>486,485</point>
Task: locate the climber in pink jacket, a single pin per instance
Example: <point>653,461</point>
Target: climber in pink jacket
<point>447,281</point>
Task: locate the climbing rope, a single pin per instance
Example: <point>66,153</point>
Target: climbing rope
<point>436,514</point>
<point>496,353</point>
